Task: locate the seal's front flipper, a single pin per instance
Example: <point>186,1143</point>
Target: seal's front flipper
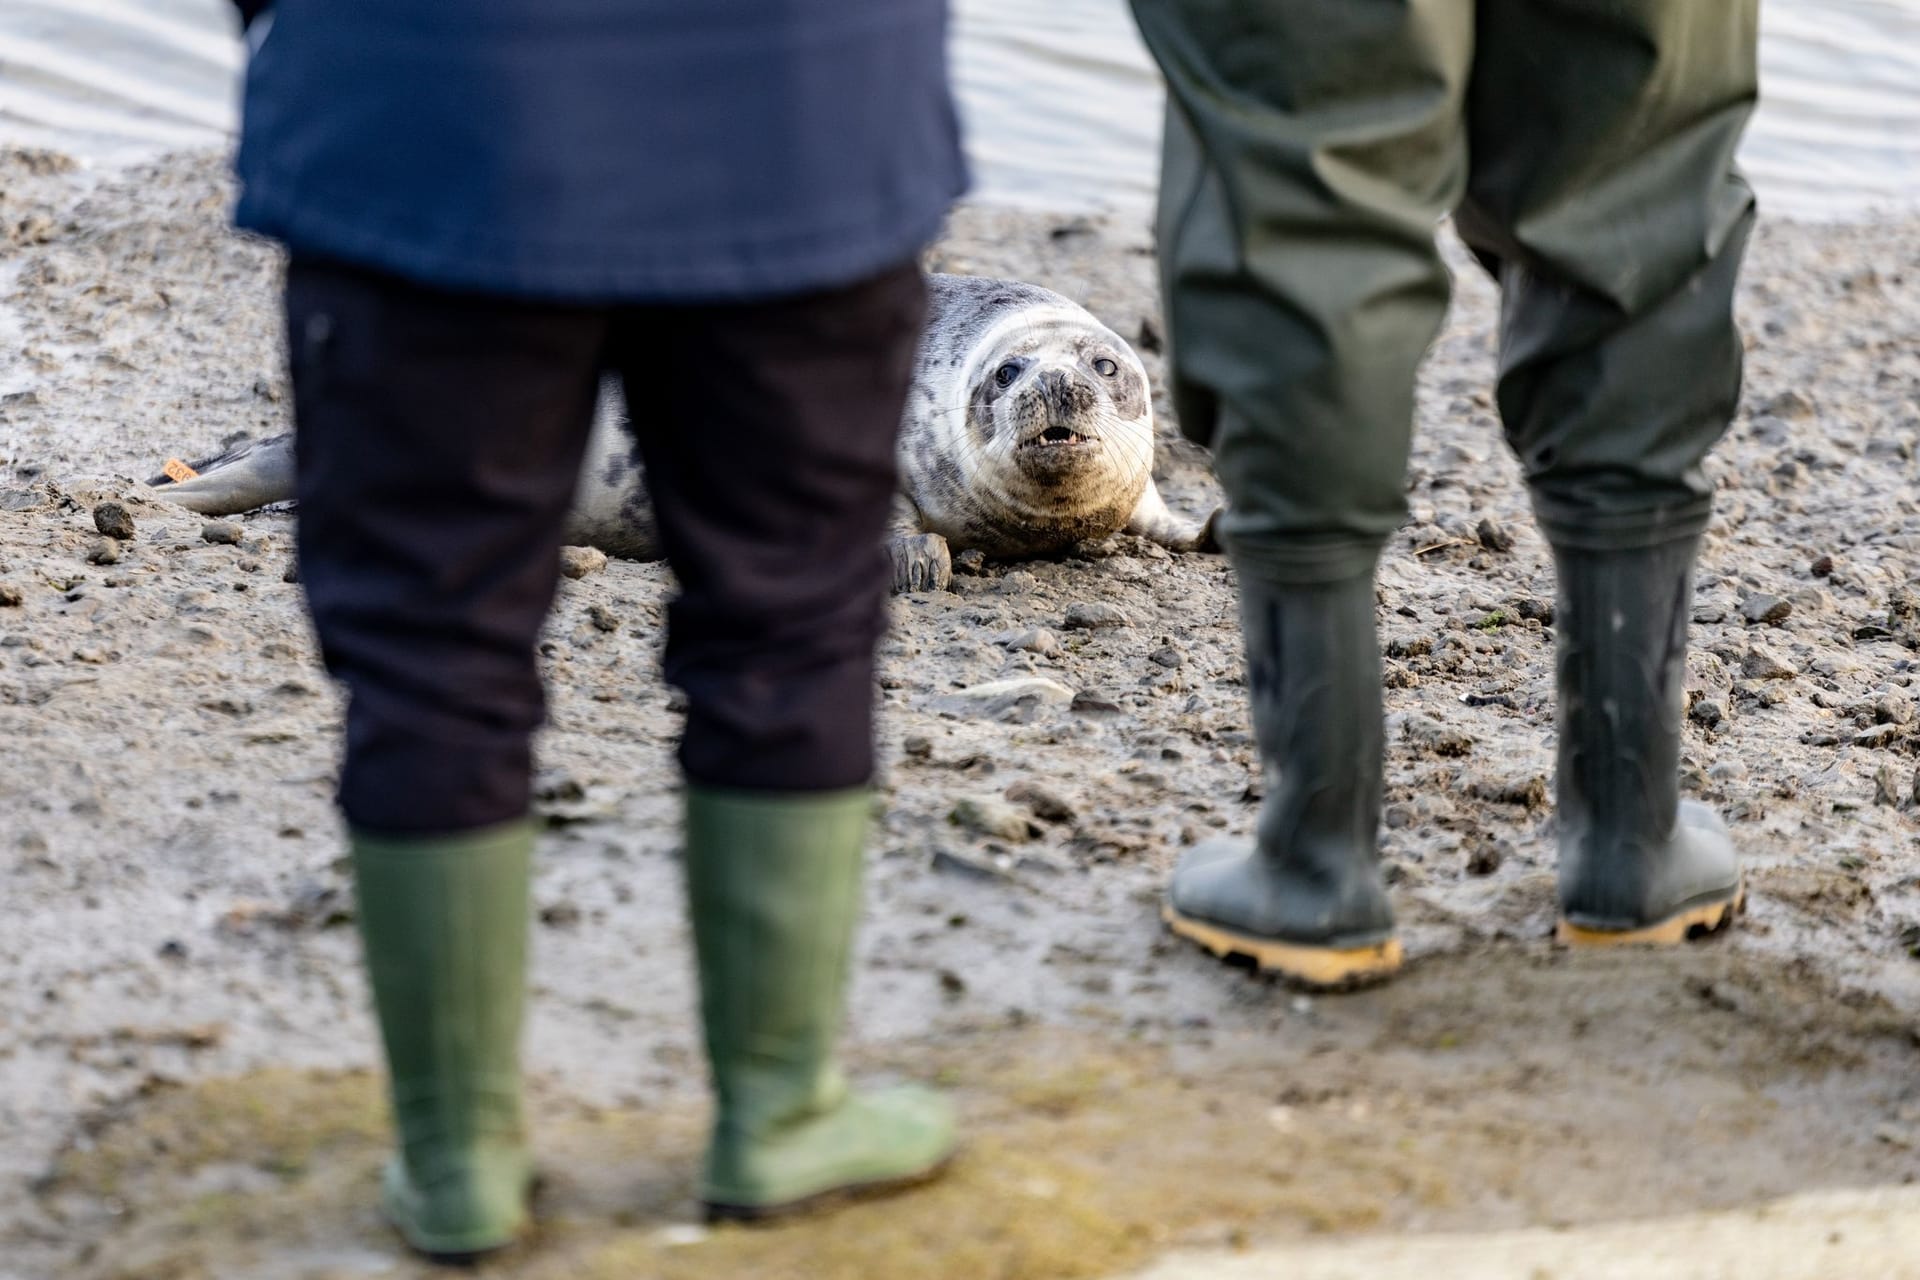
<point>921,562</point>
<point>1152,520</point>
<point>252,475</point>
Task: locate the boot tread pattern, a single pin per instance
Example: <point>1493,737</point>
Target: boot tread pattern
<point>1684,926</point>
<point>1315,968</point>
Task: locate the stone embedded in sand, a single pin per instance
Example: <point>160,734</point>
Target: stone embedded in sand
<point>1708,711</point>
<point>1485,856</point>
<point>1760,663</point>
<point>1493,535</point>
<point>1881,735</point>
<point>1041,802</point>
<point>1791,404</point>
<point>1034,640</point>
<point>1903,614</point>
<point>991,817</point>
<point>1533,607</point>
<point>1822,567</point>
<point>1093,616</point>
<point>114,520</point>
<point>1770,610</point>
<point>948,863</point>
<point>10,596</point>
<point>998,696</point>
<point>1429,734</point>
<point>578,562</point>
<point>603,618</point>
<point>1892,709</point>
<point>1529,790</point>
<point>222,533</point>
<point>105,551</point>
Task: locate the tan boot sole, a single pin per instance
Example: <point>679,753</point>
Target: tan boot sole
<point>1697,921</point>
<point>1322,968</point>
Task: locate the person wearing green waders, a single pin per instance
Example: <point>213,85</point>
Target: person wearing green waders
<point>1585,149</point>
<point>490,206</point>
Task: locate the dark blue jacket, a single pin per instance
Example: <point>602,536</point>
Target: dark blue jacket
<point>603,150</point>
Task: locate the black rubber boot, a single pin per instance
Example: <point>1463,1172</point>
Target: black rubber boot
<point>1637,863</point>
<point>1304,898</point>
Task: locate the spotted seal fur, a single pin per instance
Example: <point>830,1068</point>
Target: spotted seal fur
<point>1028,428</point>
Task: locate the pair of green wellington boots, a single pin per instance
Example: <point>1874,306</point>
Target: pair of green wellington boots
<point>774,889</point>
<point>1637,864</point>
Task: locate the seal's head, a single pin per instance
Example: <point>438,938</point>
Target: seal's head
<point>1035,427</point>
<point>1062,408</point>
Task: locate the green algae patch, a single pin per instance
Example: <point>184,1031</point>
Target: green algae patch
<point>276,1121</point>
<point>1080,1160</point>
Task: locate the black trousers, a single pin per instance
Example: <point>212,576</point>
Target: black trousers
<point>439,439</point>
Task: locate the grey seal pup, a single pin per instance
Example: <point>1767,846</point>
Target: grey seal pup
<point>1028,428</point>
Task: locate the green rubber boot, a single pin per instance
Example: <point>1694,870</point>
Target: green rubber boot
<point>1304,898</point>
<point>773,882</point>
<point>444,920</point>
<point>1637,863</point>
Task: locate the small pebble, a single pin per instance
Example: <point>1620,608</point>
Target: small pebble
<point>578,562</point>
<point>105,551</point>
<point>947,863</point>
<point>992,817</point>
<point>114,520</point>
<point>603,618</point>
<point>917,747</point>
<point>1768,610</point>
<point>1821,568</point>
<point>1539,610</point>
<point>1792,404</point>
<point>1093,616</point>
<point>1044,804</point>
<point>1485,858</point>
<point>10,597</point>
<point>1493,535</point>
<point>1037,640</point>
<point>222,533</point>
<point>560,915</point>
<point>1760,663</point>
<point>1709,712</point>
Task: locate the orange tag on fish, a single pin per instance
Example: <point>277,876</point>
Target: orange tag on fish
<point>178,471</point>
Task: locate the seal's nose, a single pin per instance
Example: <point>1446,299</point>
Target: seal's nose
<point>1065,395</point>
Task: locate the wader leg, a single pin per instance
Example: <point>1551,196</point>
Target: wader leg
<point>1311,148</point>
<point>1604,198</point>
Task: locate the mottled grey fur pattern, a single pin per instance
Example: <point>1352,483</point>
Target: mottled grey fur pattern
<point>1028,428</point>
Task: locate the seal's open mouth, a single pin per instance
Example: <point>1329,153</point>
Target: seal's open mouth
<point>1055,438</point>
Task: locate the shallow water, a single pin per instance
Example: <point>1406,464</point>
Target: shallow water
<point>1062,112</point>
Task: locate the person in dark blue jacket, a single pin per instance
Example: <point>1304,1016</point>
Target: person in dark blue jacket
<point>488,205</point>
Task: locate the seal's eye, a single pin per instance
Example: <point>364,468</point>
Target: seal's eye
<point>1006,373</point>
<point>1105,367</point>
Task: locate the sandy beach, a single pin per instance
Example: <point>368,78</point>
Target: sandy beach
<point>186,1084</point>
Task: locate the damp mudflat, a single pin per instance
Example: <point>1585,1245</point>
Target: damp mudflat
<point>186,1064</point>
